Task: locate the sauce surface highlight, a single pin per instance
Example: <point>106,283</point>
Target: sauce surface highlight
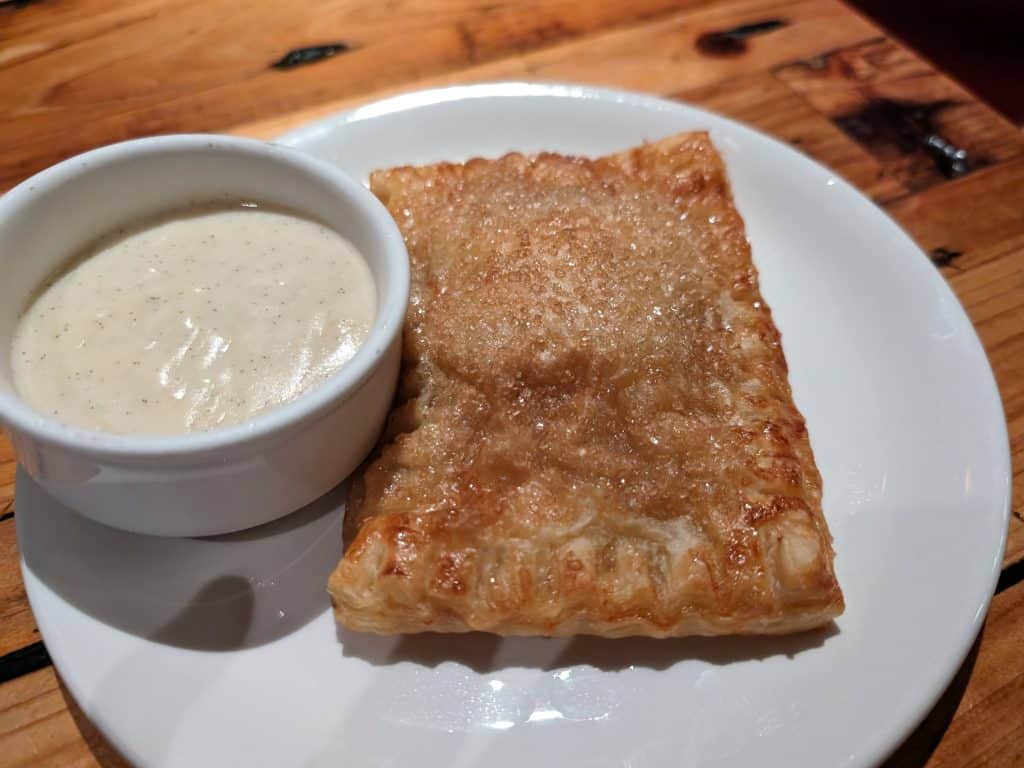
<point>194,320</point>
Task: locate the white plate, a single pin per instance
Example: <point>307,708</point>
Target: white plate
<point>223,651</point>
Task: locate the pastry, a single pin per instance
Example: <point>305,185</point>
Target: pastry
<point>594,431</point>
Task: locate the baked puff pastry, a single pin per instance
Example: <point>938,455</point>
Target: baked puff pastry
<point>594,432</point>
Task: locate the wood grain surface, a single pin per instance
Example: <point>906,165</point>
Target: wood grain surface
<point>75,75</point>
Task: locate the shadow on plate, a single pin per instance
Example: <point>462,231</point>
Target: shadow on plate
<point>241,590</point>
<point>487,653</point>
<point>103,752</point>
<point>218,593</point>
<point>919,746</point>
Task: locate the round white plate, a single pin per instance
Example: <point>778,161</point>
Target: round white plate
<point>223,651</point>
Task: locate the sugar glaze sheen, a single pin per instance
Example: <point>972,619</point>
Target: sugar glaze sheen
<point>199,318</point>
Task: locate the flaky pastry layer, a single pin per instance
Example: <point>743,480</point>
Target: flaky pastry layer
<point>594,432</point>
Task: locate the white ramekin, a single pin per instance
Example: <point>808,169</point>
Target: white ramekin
<point>229,478</point>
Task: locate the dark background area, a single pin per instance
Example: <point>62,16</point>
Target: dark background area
<point>978,42</point>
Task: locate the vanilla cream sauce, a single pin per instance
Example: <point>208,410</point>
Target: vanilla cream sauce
<point>194,320</point>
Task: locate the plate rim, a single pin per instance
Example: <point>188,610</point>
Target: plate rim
<point>887,739</point>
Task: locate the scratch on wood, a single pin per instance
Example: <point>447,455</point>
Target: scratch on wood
<point>468,40</point>
<point>944,257</point>
<point>909,126</point>
<point>14,5</point>
<point>553,32</point>
<point>31,658</point>
<point>310,55</point>
<point>478,48</point>
<point>1011,576</point>
<point>733,42</point>
<point>820,61</point>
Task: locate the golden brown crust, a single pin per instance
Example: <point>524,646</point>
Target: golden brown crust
<point>595,431</point>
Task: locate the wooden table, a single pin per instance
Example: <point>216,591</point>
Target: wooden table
<point>75,75</point>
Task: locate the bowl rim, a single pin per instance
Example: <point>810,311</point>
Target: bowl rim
<point>333,392</point>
